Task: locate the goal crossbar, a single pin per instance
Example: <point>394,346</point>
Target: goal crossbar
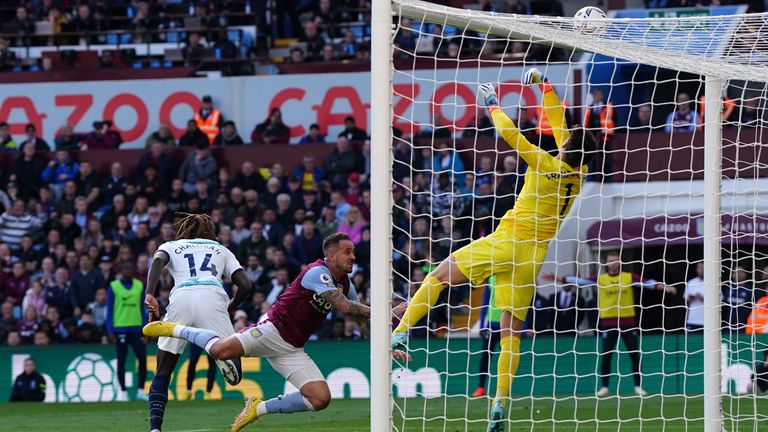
<point>629,39</point>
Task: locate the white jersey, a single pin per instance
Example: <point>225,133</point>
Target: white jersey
<point>197,262</point>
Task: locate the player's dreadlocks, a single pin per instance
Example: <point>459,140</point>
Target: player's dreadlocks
<point>195,226</point>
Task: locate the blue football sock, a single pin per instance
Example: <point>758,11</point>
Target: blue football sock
<point>199,337</point>
<point>290,403</point>
<point>158,397</point>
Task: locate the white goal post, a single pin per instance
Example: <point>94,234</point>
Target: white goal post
<point>642,41</point>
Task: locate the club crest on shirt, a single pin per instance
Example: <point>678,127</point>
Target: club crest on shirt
<point>256,333</point>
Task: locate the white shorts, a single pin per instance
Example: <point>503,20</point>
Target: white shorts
<point>264,340</point>
<point>203,307</point>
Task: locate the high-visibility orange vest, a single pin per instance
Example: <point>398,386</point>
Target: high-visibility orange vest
<point>728,106</point>
<point>210,125</point>
<point>542,122</point>
<point>758,320</point>
<point>606,118</point>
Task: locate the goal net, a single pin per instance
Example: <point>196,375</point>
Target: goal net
<point>626,280</point>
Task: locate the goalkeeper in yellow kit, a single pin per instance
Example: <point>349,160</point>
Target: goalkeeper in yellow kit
<point>515,251</point>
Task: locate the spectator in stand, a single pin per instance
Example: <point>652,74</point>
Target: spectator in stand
<point>28,325</point>
<point>66,202</point>
<point>68,139</point>
<point>140,213</point>
<point>26,171</point>
<point>352,132</point>
<point>14,338</point>
<point>257,306</point>
<point>88,185</point>
<point>682,119</point>
<point>239,231</point>
<point>353,192</point>
<point>228,135</point>
<point>126,315</point>
<point>249,178</point>
<point>277,285</point>
<point>199,164</point>
<point>314,136</point>
<point>284,211</point>
<point>297,55</point>
<point>353,225</point>
<point>194,50</point>
<point>694,300</point>
<point>256,244</point>
<point>448,160</point>
<point>738,299</point>
<point>273,230</point>
<point>117,209</point>
<point>29,386</point>
<point>349,47</point>
<point>163,136</point>
<point>25,24</point>
<point>405,40</point>
<point>315,42</point>
<point>42,339</point>
<point>17,284</point>
<point>209,120</point>
<point>344,160</point>
<point>272,130</point>
<point>98,306</point>
<point>60,170</point>
<point>38,143</point>
<point>600,117</point>
<point>255,271</point>
<point>157,156</point>
<point>644,122</point>
<point>750,116</point>
<point>57,294</point>
<point>15,223</point>
<point>35,298</point>
<point>309,173</point>
<point>83,22</point>
<point>193,136</point>
<point>616,303</point>
<point>309,202</point>
<point>115,184</point>
<point>6,140</point>
<point>326,19</point>
<point>308,246</point>
<point>84,284</point>
<point>102,137</point>
<point>329,53</point>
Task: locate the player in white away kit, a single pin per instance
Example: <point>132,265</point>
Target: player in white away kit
<point>299,312</point>
<point>197,263</point>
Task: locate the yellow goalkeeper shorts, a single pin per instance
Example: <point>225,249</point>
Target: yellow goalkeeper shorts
<point>516,264</point>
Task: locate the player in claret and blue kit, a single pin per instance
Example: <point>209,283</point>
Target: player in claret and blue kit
<point>299,312</point>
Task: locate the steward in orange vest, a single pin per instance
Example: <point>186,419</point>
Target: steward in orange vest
<point>599,117</point>
<point>208,119</point>
<point>758,320</point>
<point>728,106</point>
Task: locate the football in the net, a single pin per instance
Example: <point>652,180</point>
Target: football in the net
<point>590,20</point>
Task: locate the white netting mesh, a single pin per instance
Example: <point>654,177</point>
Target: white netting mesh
<point>454,178</point>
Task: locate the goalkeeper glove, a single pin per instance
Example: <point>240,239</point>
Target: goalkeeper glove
<point>534,76</point>
<point>489,94</point>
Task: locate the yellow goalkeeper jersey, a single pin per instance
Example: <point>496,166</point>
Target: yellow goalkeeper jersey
<point>550,185</point>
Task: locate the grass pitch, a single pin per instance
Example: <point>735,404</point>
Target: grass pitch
<point>669,413</point>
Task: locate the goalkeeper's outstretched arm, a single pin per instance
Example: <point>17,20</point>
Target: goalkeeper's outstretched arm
<point>530,153</point>
<point>553,106</point>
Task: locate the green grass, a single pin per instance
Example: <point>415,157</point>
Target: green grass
<point>670,414</point>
